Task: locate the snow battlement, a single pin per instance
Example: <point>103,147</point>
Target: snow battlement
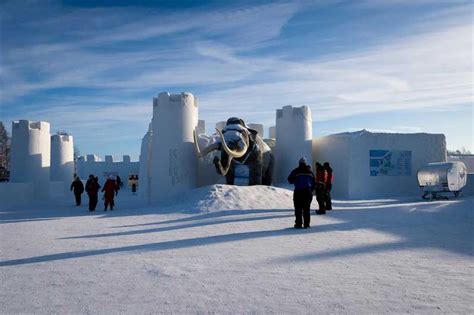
<point>61,138</point>
<point>166,99</point>
<point>290,112</point>
<point>28,125</point>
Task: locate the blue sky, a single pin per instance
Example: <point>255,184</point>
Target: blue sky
<point>92,67</point>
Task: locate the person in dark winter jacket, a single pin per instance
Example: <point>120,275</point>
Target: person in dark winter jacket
<point>92,189</point>
<point>328,186</point>
<point>303,179</point>
<point>320,187</point>
<point>119,182</point>
<point>78,188</point>
<point>110,190</point>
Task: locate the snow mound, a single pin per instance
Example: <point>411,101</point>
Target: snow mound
<point>229,197</point>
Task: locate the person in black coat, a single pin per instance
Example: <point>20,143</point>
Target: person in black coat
<point>78,188</point>
<point>92,189</point>
<point>119,182</point>
<point>303,179</point>
<point>328,186</point>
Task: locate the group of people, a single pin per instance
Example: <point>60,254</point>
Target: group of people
<point>110,190</point>
<point>306,182</point>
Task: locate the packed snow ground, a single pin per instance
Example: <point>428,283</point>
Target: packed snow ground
<point>230,249</point>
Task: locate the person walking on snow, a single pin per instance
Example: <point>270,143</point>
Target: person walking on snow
<point>78,188</point>
<point>303,179</point>
<point>328,186</point>
<point>110,191</point>
<point>320,187</point>
<point>92,189</point>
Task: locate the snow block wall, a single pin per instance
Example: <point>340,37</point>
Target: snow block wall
<point>174,170</point>
<point>31,155</point>
<point>92,164</point>
<point>377,165</point>
<point>62,158</point>
<point>258,128</point>
<point>272,132</point>
<point>144,173</point>
<point>294,135</point>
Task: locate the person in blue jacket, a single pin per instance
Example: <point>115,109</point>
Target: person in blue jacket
<point>303,179</point>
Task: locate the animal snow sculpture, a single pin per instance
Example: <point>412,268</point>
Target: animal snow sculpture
<point>245,158</point>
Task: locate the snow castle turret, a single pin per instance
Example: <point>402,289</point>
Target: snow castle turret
<point>294,134</point>
<point>31,154</point>
<point>174,170</point>
<point>62,158</point>
<point>272,132</point>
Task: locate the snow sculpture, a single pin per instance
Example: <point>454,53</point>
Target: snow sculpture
<point>62,158</point>
<point>245,158</point>
<point>31,155</point>
<point>174,167</point>
<point>272,132</point>
<point>294,135</point>
<point>378,165</point>
<point>257,127</point>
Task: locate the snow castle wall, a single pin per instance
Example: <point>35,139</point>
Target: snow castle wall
<point>294,136</point>
<point>377,165</point>
<point>92,164</point>
<point>175,116</point>
<point>62,158</point>
<point>144,173</point>
<point>31,155</point>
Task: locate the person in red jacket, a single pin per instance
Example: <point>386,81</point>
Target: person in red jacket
<point>328,186</point>
<point>110,191</point>
<point>320,187</point>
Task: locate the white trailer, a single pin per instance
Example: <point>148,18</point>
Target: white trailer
<point>438,178</point>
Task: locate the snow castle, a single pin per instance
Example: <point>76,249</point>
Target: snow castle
<point>294,136</point>
<point>62,158</point>
<point>31,155</point>
<point>174,167</point>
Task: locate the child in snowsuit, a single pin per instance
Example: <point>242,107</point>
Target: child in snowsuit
<point>320,187</point>
<point>303,179</point>
<point>110,191</point>
<point>92,189</point>
<point>328,186</point>
<point>78,187</point>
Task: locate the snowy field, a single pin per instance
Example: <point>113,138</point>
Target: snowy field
<point>226,249</point>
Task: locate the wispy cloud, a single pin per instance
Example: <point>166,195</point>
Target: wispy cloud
<point>229,57</point>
